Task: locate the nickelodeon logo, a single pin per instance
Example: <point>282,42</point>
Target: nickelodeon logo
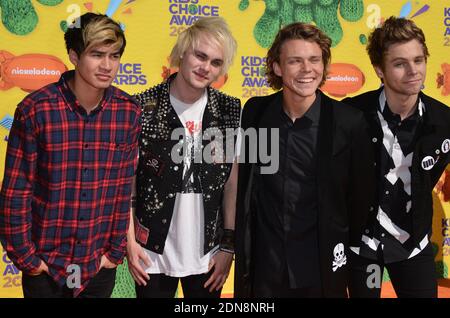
<point>29,72</point>
<point>343,79</point>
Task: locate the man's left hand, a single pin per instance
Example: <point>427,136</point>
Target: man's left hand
<point>221,264</point>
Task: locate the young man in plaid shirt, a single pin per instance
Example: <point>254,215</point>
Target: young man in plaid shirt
<point>72,149</point>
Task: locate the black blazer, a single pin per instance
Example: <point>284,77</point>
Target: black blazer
<point>344,190</point>
<point>434,129</point>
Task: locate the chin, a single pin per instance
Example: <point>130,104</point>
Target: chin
<point>102,85</point>
<point>200,85</point>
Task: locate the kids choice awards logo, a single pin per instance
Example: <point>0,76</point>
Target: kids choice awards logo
<point>130,74</point>
<point>253,71</point>
<point>11,276</point>
<point>446,236</point>
<point>447,26</point>
<point>185,12</point>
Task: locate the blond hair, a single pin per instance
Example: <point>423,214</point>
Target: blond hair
<point>217,31</point>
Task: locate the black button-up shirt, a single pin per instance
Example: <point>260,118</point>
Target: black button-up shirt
<point>287,201</point>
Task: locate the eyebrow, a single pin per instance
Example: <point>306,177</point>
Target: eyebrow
<point>103,52</point>
<point>405,59</point>
<point>305,57</point>
<point>206,55</point>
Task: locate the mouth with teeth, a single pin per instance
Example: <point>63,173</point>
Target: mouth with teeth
<point>305,80</point>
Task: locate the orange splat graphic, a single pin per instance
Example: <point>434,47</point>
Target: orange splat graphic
<point>442,188</point>
<point>89,6</point>
<point>443,80</point>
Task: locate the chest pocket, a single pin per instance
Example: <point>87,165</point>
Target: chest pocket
<point>110,155</point>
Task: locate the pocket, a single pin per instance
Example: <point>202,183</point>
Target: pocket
<point>111,154</point>
<point>110,159</point>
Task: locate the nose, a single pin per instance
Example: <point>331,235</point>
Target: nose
<point>106,63</point>
<point>412,68</point>
<point>306,67</point>
<point>206,66</point>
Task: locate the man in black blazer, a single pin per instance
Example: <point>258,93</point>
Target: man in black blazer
<point>410,135</point>
<point>294,224</point>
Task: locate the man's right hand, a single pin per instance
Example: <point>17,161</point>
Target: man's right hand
<point>135,253</point>
<point>43,268</point>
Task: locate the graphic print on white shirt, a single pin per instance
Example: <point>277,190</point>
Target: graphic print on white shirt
<point>183,250</point>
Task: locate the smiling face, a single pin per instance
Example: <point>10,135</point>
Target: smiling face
<point>202,64</point>
<point>404,68</point>
<point>300,67</point>
<point>96,67</point>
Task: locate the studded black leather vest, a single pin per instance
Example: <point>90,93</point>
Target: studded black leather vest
<point>159,178</point>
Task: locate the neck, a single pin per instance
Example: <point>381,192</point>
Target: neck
<point>89,97</point>
<point>183,92</point>
<point>296,106</point>
<point>403,105</point>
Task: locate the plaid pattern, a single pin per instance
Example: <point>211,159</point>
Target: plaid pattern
<point>67,184</point>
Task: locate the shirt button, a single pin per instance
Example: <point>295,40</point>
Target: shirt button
<point>85,170</point>
<point>366,231</point>
<point>371,208</point>
<point>437,151</point>
<point>382,234</point>
<point>400,123</point>
<point>374,139</point>
<point>156,247</point>
<point>374,163</point>
<point>164,221</point>
<point>86,146</point>
<point>175,168</point>
<point>78,242</point>
<point>83,194</point>
<point>387,192</point>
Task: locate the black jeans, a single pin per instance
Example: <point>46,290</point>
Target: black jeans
<point>163,286</point>
<point>411,278</point>
<point>43,286</point>
<point>265,287</point>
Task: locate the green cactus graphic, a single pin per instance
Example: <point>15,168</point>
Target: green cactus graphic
<point>19,16</point>
<point>324,13</point>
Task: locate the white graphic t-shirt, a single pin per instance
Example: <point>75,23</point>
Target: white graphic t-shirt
<point>183,251</point>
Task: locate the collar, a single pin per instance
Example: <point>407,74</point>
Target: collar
<point>70,98</point>
<point>382,104</point>
<point>313,112</point>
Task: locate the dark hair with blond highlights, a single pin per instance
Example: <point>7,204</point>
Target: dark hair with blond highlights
<point>296,31</point>
<point>92,29</point>
<point>393,30</point>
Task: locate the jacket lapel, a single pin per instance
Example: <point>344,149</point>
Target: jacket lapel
<point>325,138</point>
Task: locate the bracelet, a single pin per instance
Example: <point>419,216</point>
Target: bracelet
<point>227,241</point>
<point>222,249</point>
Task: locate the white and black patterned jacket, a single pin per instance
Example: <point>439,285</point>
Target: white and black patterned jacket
<point>430,156</point>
